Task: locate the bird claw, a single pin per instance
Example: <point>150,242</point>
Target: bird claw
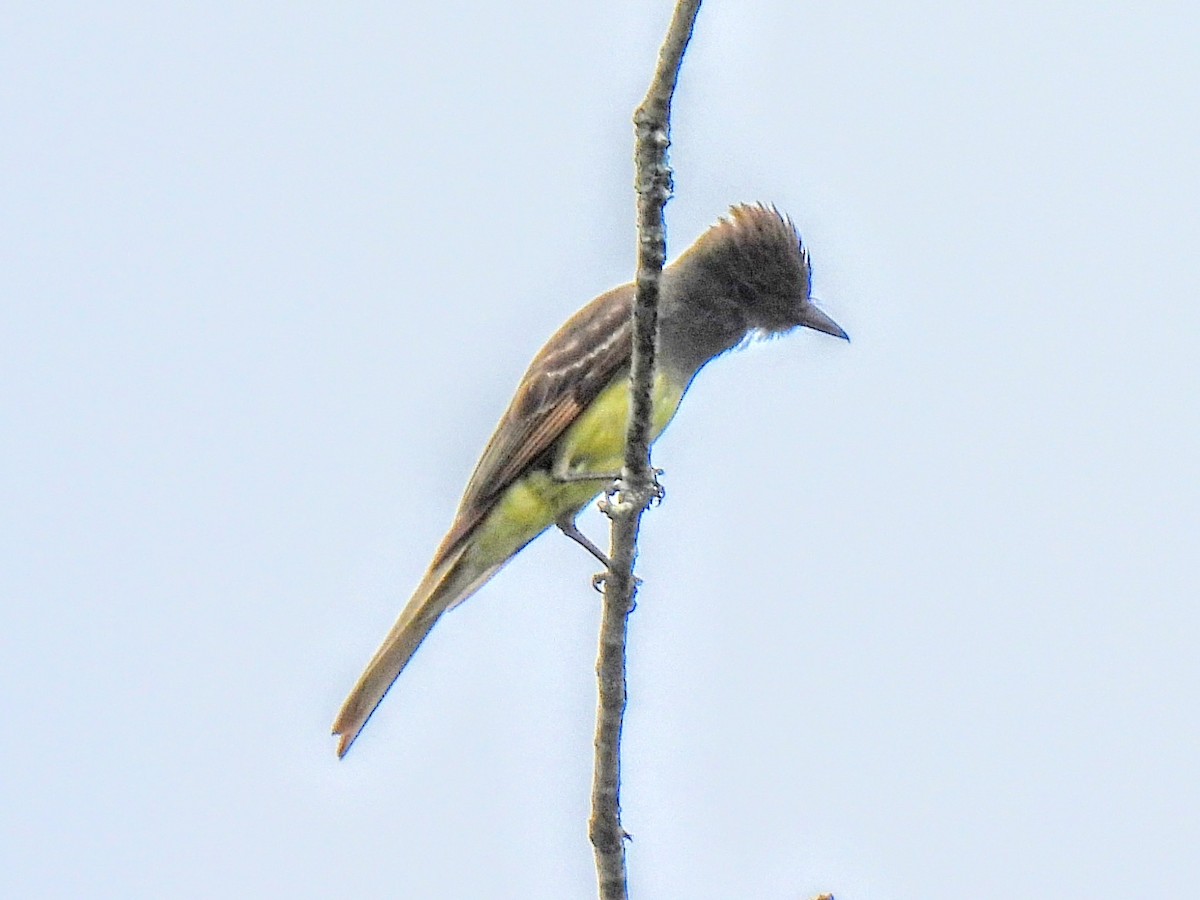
<point>599,579</point>
<point>660,492</point>
<point>618,487</point>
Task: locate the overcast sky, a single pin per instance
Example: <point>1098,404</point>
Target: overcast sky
<point>921,613</point>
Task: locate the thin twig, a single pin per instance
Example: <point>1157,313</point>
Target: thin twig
<point>637,487</point>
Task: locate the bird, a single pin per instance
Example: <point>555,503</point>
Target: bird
<point>561,439</point>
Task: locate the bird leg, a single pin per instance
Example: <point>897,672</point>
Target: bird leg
<point>566,477</point>
<point>568,527</point>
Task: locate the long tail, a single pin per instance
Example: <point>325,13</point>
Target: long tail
<point>447,582</point>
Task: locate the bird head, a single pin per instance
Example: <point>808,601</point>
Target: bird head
<point>759,251</point>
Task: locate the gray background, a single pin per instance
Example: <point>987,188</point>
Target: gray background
<point>919,616</point>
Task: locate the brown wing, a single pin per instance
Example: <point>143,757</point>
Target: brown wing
<point>566,375</point>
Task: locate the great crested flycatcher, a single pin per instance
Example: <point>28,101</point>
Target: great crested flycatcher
<point>563,435</point>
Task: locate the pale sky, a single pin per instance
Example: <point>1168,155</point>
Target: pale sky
<point>921,613</point>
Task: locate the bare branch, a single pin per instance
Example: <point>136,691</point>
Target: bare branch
<point>637,487</point>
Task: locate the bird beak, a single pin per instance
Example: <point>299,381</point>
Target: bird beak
<point>813,318</point>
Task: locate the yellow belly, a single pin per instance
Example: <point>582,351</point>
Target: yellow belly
<point>594,443</point>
